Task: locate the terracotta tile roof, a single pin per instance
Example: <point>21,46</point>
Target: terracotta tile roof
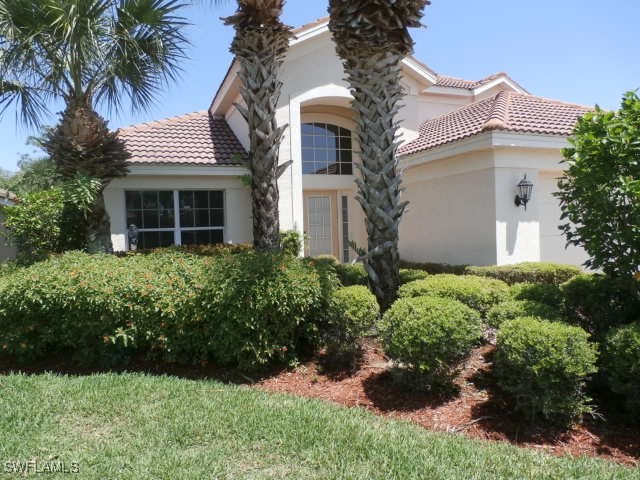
<point>507,111</point>
<point>195,138</point>
<point>453,82</point>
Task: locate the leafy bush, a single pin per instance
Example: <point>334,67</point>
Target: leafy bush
<point>352,312</point>
<point>621,364</point>
<point>597,302</point>
<point>512,309</point>
<point>244,309</point>
<point>53,220</point>
<point>97,307</point>
<point>538,292</point>
<point>435,268</point>
<point>201,250</point>
<point>430,335</point>
<point>352,274</point>
<point>600,189</point>
<point>544,365</point>
<point>291,242</point>
<point>531,272</point>
<point>411,274</point>
<point>260,303</point>
<point>476,292</point>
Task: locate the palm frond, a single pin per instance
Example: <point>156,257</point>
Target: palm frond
<point>148,44</point>
<point>29,101</point>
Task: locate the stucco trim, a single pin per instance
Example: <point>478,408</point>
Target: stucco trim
<point>187,170</point>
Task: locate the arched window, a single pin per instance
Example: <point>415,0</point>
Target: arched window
<point>326,150</point>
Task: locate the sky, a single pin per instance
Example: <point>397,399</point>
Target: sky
<point>580,51</point>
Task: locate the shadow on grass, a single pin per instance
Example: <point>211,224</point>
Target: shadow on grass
<point>64,365</point>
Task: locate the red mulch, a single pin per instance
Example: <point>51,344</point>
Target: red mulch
<point>474,410</point>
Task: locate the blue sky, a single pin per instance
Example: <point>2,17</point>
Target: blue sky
<point>582,51</point>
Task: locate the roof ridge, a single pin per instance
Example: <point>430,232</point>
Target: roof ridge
<point>499,116</point>
<point>162,121</point>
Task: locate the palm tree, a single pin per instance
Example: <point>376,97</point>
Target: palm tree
<point>260,44</point>
<point>87,53</point>
<point>372,38</point>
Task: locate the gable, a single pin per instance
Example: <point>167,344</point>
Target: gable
<point>312,62</point>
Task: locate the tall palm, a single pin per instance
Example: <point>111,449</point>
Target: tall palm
<point>372,38</point>
<point>260,44</point>
<point>87,53</point>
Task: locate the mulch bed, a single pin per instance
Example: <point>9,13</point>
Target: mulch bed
<point>474,409</point>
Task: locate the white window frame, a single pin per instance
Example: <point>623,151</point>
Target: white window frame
<point>352,150</point>
<point>177,228</point>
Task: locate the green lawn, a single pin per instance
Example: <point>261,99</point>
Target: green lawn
<point>142,427</point>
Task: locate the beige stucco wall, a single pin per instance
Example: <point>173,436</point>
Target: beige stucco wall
<point>308,89</point>
<point>451,215</point>
<point>238,226</point>
<point>463,212</point>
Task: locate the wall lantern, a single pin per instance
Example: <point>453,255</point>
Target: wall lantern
<point>132,233</point>
<point>525,187</point>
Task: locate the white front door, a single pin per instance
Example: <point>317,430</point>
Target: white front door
<point>319,211</point>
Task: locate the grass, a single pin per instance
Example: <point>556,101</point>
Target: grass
<point>134,426</point>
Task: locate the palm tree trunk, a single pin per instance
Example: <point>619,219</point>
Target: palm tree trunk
<point>82,144</point>
<point>260,44</point>
<point>372,38</point>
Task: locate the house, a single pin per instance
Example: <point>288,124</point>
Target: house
<point>6,251</point>
<point>465,147</point>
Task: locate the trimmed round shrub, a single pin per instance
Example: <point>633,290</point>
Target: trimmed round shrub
<point>597,302</point>
<point>531,272</point>
<point>476,292</point>
<point>352,313</point>
<point>538,292</point>
<point>621,364</point>
<point>325,259</point>
<point>430,335</point>
<point>543,366</point>
<point>352,274</point>
<point>513,309</point>
<point>411,274</point>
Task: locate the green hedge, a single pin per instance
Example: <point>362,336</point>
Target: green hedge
<point>352,313</point>
<point>430,335</point>
<point>411,275</point>
<point>538,292</point>
<point>476,292</point>
<point>355,274</point>
<point>243,309</point>
<point>621,364</point>
<point>434,268</point>
<point>531,272</point>
<point>597,303</point>
<point>512,309</point>
<point>544,366</point>
<point>351,274</point>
